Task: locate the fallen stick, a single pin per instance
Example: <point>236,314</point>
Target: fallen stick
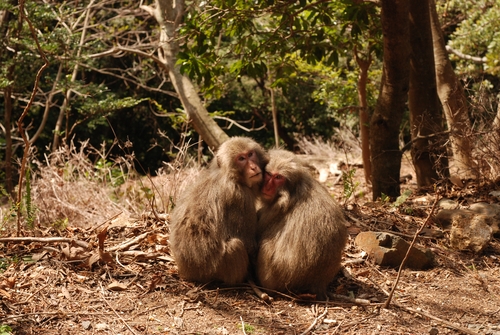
<point>80,243</point>
<point>388,301</point>
<point>443,322</point>
<point>315,322</point>
<point>262,295</point>
<point>128,243</point>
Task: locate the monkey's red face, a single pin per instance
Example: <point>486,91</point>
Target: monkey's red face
<point>248,164</point>
<point>272,183</point>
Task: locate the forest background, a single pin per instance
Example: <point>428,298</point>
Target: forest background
<point>127,77</point>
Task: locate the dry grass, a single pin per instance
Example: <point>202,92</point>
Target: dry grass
<point>81,186</point>
<point>69,187</point>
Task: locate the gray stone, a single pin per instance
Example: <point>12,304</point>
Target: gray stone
<point>389,250</point>
<point>445,217</point>
<point>448,204</point>
<point>485,208</point>
<point>471,232</point>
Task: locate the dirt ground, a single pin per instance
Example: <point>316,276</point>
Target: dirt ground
<point>120,279</point>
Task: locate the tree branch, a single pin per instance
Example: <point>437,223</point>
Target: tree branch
<point>475,59</point>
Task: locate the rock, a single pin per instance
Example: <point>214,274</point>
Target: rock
<point>471,231</point>
<point>86,325</point>
<point>445,216</point>
<point>389,250</point>
<point>492,210</point>
<point>448,204</point>
<point>495,194</point>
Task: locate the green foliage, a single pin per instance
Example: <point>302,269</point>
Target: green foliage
<point>349,184</point>
<point>108,172</point>
<point>477,35</point>
<point>473,29</point>
<point>402,198</point>
<point>28,205</point>
<point>385,198</point>
<point>247,329</point>
<point>10,213</point>
<point>4,264</point>
<point>5,330</point>
<point>303,50</point>
<point>61,224</point>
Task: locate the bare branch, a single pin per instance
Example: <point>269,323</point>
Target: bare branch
<point>232,122</point>
<point>475,59</point>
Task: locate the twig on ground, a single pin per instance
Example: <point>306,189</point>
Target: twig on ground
<point>313,324</point>
<point>388,301</point>
<point>118,315</point>
<point>106,221</point>
<point>262,295</point>
<point>337,328</point>
<point>378,286</point>
<point>356,301</point>
<point>82,244</point>
<point>444,322</point>
<point>128,243</point>
<point>243,326</point>
<point>149,310</point>
<point>182,309</point>
<point>63,315</point>
<point>32,294</point>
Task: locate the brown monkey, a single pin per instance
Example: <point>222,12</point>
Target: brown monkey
<point>301,229</point>
<point>212,228</point>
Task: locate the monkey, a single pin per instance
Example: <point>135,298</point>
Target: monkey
<point>212,228</point>
<point>301,230</point>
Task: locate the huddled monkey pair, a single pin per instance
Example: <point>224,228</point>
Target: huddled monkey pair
<point>292,242</point>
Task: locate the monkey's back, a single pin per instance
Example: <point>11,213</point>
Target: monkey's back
<point>213,225</point>
<point>301,246</point>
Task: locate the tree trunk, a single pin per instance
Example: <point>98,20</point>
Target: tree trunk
<point>169,14</point>
<point>7,166</point>
<point>454,102</point>
<point>391,102</point>
<point>5,18</point>
<point>364,118</point>
<point>427,150</point>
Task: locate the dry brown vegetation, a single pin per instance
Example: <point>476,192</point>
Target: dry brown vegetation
<point>95,260</point>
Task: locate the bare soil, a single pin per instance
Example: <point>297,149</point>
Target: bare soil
<point>112,288</point>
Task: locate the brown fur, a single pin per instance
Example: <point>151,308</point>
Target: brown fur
<point>301,232</point>
<point>212,228</point>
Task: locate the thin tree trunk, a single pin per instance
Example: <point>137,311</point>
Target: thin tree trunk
<point>48,105</point>
<point>9,186</point>
<point>364,118</point>
<point>169,14</point>
<point>5,18</point>
<point>274,108</point>
<point>391,102</point>
<point>63,111</point>
<point>452,97</point>
<point>427,150</point>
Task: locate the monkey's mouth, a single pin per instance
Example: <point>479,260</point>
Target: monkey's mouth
<point>267,194</point>
<point>256,175</point>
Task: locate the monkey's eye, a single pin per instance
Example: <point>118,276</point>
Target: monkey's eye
<point>241,158</point>
<point>278,177</point>
<point>250,154</point>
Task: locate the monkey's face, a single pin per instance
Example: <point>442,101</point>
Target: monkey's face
<point>273,182</point>
<point>247,163</point>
